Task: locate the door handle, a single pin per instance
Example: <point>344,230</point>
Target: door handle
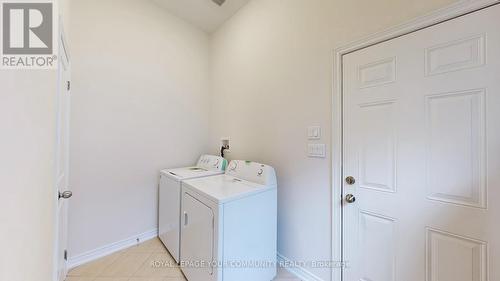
<point>185,218</point>
<point>65,194</point>
<point>350,180</point>
<point>349,198</point>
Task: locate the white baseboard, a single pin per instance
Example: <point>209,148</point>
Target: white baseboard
<point>111,248</point>
<point>302,273</point>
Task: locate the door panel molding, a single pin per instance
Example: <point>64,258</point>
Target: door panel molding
<point>449,12</point>
<point>462,54</point>
<point>471,250</point>
<point>468,106</point>
<point>371,224</point>
<point>377,73</point>
<point>383,139</point>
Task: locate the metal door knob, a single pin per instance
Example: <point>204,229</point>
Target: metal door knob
<point>349,198</point>
<point>65,194</point>
<point>350,180</point>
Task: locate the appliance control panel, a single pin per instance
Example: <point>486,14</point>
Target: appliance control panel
<point>212,163</point>
<point>252,171</point>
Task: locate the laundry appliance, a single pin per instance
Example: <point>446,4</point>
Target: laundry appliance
<point>170,197</point>
<point>229,225</point>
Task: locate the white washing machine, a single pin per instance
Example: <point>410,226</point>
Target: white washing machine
<point>229,225</point>
<point>169,210</point>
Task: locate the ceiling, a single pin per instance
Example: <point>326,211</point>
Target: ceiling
<point>203,13</point>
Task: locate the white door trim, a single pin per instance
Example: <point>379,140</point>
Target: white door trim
<point>457,9</point>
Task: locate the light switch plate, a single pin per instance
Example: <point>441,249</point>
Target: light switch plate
<point>314,132</point>
<point>316,150</point>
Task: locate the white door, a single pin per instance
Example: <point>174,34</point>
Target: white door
<point>62,157</point>
<point>422,144</point>
<point>197,239</point>
<point>169,215</point>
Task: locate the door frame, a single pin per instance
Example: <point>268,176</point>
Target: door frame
<point>447,13</point>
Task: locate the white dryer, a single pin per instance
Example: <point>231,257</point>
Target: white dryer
<point>169,210</point>
<point>229,225</point>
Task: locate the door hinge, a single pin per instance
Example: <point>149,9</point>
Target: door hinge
<point>66,255</point>
<point>68,85</point>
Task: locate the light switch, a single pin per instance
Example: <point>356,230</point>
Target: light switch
<point>316,150</point>
<point>314,132</point>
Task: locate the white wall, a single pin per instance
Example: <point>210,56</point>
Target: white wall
<point>139,103</point>
<point>27,197</point>
<point>271,78</point>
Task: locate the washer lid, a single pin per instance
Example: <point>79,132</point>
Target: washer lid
<point>189,173</point>
<point>225,188</point>
<point>207,165</point>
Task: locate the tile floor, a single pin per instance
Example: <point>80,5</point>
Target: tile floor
<point>136,264</point>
